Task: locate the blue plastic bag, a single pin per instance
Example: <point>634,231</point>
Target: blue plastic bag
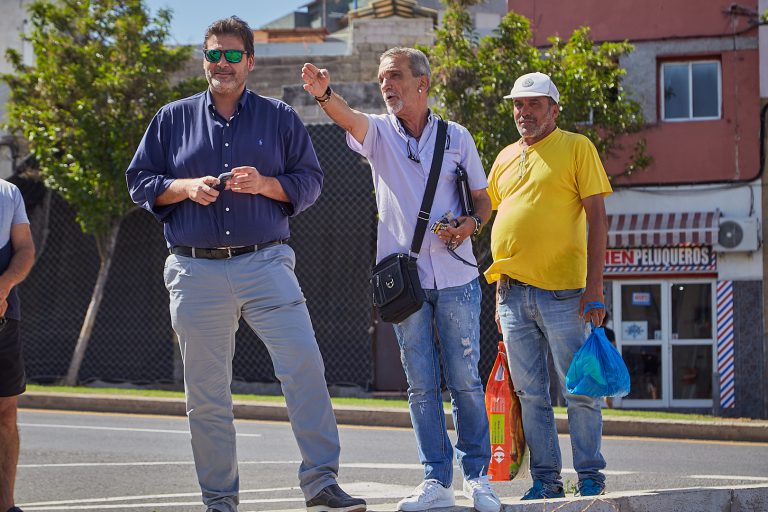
<point>597,368</point>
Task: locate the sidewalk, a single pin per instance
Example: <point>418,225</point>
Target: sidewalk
<point>719,430</point>
<point>745,498</point>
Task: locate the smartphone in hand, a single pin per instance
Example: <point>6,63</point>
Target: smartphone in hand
<point>223,179</point>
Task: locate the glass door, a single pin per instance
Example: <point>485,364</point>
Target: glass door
<point>665,333</point>
<point>639,310</point>
<point>691,342</point>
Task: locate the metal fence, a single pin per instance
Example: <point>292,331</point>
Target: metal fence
<point>133,341</point>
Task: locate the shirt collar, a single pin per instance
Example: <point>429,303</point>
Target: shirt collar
<point>210,107</point>
<point>427,128</point>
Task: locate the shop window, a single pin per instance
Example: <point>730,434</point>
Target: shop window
<point>691,311</point>
<point>641,312</point>
<point>690,90</point>
<point>692,372</point>
<point>644,365</point>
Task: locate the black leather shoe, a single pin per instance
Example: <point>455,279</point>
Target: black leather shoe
<point>333,499</point>
<point>15,509</point>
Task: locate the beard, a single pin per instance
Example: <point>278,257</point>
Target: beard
<point>394,109</point>
<point>234,83</point>
<point>538,129</point>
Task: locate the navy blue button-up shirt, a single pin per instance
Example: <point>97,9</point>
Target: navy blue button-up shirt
<point>189,139</point>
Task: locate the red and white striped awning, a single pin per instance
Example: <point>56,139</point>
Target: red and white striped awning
<point>660,229</point>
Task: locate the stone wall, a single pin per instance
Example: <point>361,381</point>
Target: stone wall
<point>364,97</point>
<point>352,75</point>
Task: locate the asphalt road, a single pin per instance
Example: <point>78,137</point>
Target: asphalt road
<point>111,462</point>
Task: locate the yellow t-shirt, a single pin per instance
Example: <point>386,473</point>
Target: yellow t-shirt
<point>539,236</point>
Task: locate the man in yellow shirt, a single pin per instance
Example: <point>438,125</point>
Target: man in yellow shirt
<point>548,187</point>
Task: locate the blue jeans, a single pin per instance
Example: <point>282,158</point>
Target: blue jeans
<point>446,330</point>
<point>535,322</point>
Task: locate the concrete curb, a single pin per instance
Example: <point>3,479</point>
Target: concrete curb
<point>721,430</point>
<point>746,498</point>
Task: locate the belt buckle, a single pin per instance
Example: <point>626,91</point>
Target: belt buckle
<point>229,253</point>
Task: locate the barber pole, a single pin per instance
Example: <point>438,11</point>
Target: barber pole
<point>725,348</point>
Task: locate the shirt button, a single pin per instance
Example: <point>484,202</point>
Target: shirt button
<point>226,144</point>
<point>227,208</point>
<point>227,124</point>
<point>226,165</point>
<point>227,232</point>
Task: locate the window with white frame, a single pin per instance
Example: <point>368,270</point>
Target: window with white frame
<point>691,90</point>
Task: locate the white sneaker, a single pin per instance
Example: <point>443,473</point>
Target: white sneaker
<point>430,494</point>
<point>480,492</point>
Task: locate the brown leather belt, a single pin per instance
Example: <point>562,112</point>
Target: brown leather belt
<point>223,253</point>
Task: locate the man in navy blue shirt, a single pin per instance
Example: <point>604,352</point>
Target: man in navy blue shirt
<point>224,170</point>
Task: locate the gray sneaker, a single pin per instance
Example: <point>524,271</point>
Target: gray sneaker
<point>429,494</point>
<point>480,492</point>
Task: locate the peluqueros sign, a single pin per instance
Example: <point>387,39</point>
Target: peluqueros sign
<point>684,259</point>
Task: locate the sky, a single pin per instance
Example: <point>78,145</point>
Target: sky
<point>191,17</point>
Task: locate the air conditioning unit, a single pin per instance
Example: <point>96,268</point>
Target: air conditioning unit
<point>738,235</point>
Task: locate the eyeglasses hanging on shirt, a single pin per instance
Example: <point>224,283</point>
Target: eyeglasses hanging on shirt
<point>522,169</point>
<point>414,156</point>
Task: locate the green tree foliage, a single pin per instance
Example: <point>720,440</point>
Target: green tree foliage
<point>471,75</point>
<point>101,71</point>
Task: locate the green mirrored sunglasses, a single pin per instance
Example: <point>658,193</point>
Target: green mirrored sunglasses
<point>233,56</point>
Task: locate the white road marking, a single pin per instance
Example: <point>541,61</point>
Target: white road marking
<point>356,465</point>
<point>613,472</point>
<point>119,429</point>
<point>100,464</point>
<point>119,505</point>
<point>730,477</point>
<point>146,463</point>
<point>381,465</point>
<point>150,497</point>
<point>368,490</point>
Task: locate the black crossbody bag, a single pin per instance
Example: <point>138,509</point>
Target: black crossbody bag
<point>397,292</point>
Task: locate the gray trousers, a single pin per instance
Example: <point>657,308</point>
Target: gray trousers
<point>207,298</point>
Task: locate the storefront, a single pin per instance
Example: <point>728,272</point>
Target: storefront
<point>672,318</point>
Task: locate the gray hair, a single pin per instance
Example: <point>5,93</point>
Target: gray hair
<point>416,58</point>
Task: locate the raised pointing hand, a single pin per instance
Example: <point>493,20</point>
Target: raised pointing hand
<point>316,80</point>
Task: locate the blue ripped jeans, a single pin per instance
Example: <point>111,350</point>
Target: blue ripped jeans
<point>535,322</point>
<point>446,330</point>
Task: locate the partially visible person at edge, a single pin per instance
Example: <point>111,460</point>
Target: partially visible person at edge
<point>399,147</point>
<point>17,255</point>
<point>548,187</point>
<point>228,259</point>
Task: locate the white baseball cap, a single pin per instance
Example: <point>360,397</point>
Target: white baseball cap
<point>534,84</point>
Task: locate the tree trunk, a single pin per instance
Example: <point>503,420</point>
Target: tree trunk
<point>105,257</point>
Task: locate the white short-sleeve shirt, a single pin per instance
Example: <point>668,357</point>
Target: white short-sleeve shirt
<point>11,210</point>
<point>400,183</point>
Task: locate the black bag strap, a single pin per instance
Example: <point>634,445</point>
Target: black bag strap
<point>429,192</point>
